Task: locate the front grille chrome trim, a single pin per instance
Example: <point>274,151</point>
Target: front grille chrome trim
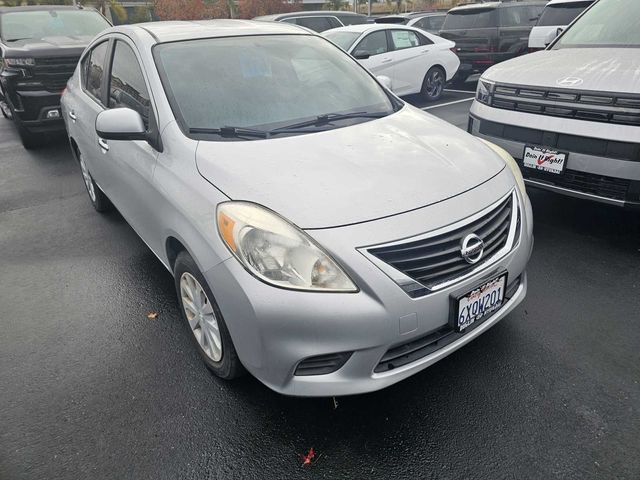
<point>416,289</point>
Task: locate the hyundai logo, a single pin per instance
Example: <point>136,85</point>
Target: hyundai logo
<point>472,248</point>
<point>569,81</point>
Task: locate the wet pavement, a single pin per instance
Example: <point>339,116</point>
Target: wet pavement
<point>91,388</point>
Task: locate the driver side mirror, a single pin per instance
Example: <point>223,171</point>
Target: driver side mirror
<point>360,55</point>
<point>551,36</point>
<point>120,124</point>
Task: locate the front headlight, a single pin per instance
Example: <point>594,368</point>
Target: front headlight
<point>19,62</point>
<point>484,91</point>
<point>278,252</point>
<point>511,163</point>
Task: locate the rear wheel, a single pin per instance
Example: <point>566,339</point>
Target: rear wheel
<point>201,312</point>
<point>433,84</point>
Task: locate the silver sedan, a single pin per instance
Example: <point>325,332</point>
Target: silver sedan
<point>323,235</point>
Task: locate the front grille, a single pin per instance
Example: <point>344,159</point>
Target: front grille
<point>418,348</point>
<point>437,259</point>
<point>623,109</point>
<point>562,141</point>
<point>322,364</point>
<point>54,72</point>
<point>600,185</point>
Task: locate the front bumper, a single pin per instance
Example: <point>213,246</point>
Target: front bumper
<point>603,163</point>
<point>275,329</point>
<point>33,108</point>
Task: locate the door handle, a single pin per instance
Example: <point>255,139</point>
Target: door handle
<point>103,145</point>
<point>72,116</point>
<point>386,60</point>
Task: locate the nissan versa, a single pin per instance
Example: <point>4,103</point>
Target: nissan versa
<point>570,114</point>
<point>323,235</point>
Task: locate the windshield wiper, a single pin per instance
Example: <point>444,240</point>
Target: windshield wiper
<point>231,132</point>
<point>329,118</point>
<point>18,39</point>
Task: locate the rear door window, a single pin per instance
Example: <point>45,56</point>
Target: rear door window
<point>402,39</point>
<point>514,17</point>
<point>93,65</point>
<point>127,87</point>
<point>318,24</point>
<point>471,18</point>
<point>562,13</point>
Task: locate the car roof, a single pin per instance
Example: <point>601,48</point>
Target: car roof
<point>42,8</point>
<point>370,27</point>
<point>309,13</point>
<point>555,2</point>
<point>486,5</point>
<point>172,31</point>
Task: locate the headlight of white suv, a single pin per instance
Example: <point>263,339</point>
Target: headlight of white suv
<point>511,163</point>
<point>484,91</point>
<point>278,252</point>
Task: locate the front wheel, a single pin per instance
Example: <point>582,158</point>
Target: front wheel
<point>201,312</point>
<point>98,199</point>
<point>433,84</point>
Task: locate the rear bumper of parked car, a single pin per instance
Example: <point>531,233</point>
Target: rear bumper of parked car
<point>279,333</point>
<point>603,163</point>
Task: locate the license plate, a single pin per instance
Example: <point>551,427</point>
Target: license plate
<point>480,302</point>
<point>544,159</point>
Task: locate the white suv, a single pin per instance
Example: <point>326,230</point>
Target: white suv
<point>570,114</point>
<point>555,17</point>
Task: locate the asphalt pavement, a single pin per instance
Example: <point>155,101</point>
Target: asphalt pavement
<point>92,388</point>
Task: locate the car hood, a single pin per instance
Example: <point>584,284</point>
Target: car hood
<point>599,69</point>
<point>352,174</point>
<point>47,46</point>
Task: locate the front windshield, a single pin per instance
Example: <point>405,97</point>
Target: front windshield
<point>264,82</point>
<point>609,23</point>
<point>343,39</point>
<point>561,13</point>
<point>35,25</point>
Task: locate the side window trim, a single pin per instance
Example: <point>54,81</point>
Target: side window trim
<point>83,73</point>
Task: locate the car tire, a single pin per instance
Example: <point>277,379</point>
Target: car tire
<point>98,199</point>
<point>433,84</point>
<point>202,315</point>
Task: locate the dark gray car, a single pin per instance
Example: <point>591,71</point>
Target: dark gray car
<point>490,33</point>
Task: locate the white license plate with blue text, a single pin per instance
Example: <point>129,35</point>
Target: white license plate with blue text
<point>480,302</point>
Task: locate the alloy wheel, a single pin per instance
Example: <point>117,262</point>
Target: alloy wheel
<point>201,316</point>
<point>435,83</point>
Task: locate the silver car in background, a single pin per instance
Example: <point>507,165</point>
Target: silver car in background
<point>570,114</point>
<point>323,235</point>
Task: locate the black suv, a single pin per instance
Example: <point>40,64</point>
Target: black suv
<point>489,33</point>
<point>40,48</point>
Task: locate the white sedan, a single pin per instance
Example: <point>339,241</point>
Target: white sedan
<point>415,61</point>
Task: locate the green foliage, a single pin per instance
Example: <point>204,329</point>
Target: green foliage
<point>140,14</point>
<point>335,4</point>
<point>118,11</point>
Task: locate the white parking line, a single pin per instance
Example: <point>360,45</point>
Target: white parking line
<point>448,103</point>
<point>472,92</point>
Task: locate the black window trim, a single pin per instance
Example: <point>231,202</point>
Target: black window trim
<point>87,54</point>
